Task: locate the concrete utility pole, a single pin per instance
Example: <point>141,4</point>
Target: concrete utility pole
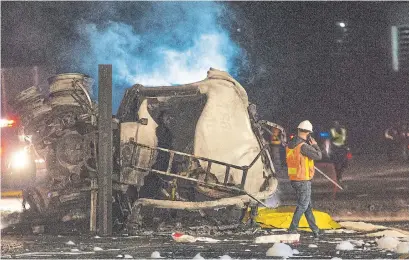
<point>105,150</point>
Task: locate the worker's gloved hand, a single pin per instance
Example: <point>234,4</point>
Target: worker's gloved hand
<point>312,141</point>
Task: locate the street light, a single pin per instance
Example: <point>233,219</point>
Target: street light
<point>342,24</point>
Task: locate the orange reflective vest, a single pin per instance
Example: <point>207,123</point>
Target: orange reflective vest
<point>300,167</point>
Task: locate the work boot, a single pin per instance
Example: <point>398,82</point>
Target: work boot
<point>317,234</point>
<point>292,231</point>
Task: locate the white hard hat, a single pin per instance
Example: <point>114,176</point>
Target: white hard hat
<point>305,125</point>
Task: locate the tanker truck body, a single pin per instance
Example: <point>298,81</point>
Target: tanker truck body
<point>191,148</point>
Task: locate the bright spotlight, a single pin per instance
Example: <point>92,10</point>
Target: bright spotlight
<point>19,160</point>
<point>342,24</point>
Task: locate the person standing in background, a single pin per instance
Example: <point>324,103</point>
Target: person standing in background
<point>338,148</point>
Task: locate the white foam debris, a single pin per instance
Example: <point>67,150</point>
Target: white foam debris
<point>296,252</point>
<point>128,256</point>
<point>225,257</point>
<point>75,250</point>
<point>277,229</point>
<point>290,238</point>
<point>361,226</point>
<point>402,248</point>
<point>207,239</point>
<point>182,238</point>
<point>312,246</point>
<point>367,244</point>
<point>388,233</point>
<point>388,243</point>
<point>247,250</point>
<point>70,243</point>
<point>198,256</point>
<point>357,242</point>
<point>97,237</point>
<point>338,231</point>
<point>336,258</point>
<point>280,249</point>
<point>345,246</point>
<point>156,254</point>
<point>120,256</point>
<point>96,248</point>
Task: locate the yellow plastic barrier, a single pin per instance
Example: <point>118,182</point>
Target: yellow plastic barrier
<point>281,218</point>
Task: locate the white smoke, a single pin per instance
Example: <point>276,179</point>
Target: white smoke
<point>175,43</point>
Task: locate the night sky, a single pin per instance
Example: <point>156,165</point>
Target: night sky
<point>299,63</point>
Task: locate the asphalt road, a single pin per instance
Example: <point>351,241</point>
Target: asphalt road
<point>236,246</point>
<point>376,190</point>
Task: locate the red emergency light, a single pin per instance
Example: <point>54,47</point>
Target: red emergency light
<point>349,155</point>
<point>6,122</point>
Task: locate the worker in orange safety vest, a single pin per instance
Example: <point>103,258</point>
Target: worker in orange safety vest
<point>301,152</point>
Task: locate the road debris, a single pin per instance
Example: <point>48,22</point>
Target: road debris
<point>345,246</point>
<point>198,257</point>
<point>389,243</point>
<point>389,233</point>
<point>156,254</point>
<point>70,243</point>
<point>361,226</point>
<point>402,248</point>
<point>287,238</point>
<point>339,231</point>
<point>182,238</point>
<point>357,242</point>
<point>280,250</point>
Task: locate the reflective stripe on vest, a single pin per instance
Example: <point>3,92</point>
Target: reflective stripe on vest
<point>300,167</point>
<point>338,138</point>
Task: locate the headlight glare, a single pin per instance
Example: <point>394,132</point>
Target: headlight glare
<point>19,159</point>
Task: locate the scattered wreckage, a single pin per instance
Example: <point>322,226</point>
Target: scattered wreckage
<point>191,148</point>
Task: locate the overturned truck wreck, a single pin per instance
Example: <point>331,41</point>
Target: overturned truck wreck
<point>192,148</point>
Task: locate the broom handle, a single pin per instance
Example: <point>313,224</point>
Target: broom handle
<point>326,176</point>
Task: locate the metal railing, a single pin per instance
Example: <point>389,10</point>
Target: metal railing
<point>210,162</point>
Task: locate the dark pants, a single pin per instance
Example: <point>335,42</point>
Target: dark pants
<point>339,157</point>
<point>303,193</point>
<point>279,160</point>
